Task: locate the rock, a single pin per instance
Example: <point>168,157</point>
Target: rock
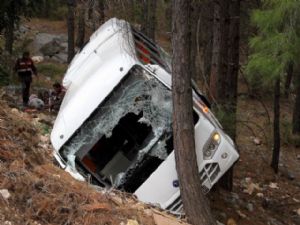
<point>273,185</point>
<point>37,59</point>
<point>242,215</point>
<point>14,110</point>
<point>251,188</point>
<point>223,215</point>
<point>250,207</point>
<point>148,212</point>
<point>51,48</point>
<point>8,223</point>
<point>61,57</point>
<point>286,173</point>
<point>296,200</point>
<point>298,212</point>
<point>231,221</point>
<point>44,38</point>
<point>290,176</point>
<point>298,157</point>
<point>164,219</point>
<point>23,29</point>
<point>5,193</point>
<point>296,220</point>
<point>261,195</point>
<point>273,221</point>
<point>257,141</point>
<point>219,223</point>
<point>234,195</point>
<point>132,222</point>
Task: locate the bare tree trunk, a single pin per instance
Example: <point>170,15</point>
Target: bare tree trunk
<point>193,29</point>
<point>101,7</point>
<point>224,46</point>
<point>9,28</point>
<point>145,16</point>
<point>231,83</point>
<point>152,19</point>
<point>205,40</point>
<point>288,81</point>
<point>194,202</point>
<point>296,113</point>
<point>149,20</point>
<point>71,24</point>
<point>276,147</point>
<point>81,27</point>
<point>216,51</point>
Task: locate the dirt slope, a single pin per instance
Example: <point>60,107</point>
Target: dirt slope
<point>34,191</point>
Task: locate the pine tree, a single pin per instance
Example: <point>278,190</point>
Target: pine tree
<point>274,47</point>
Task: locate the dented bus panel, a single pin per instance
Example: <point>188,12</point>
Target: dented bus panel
<point>115,123</point>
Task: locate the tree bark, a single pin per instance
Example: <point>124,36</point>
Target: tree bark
<point>216,51</point>
<point>152,19</point>
<point>71,24</point>
<point>101,7</point>
<point>193,29</point>
<point>149,18</point>
<point>296,113</point>
<point>224,47</point>
<point>288,81</point>
<point>145,12</point>
<point>194,202</point>
<point>229,104</point>
<point>9,28</point>
<point>81,27</point>
<point>205,40</point>
<point>276,147</point>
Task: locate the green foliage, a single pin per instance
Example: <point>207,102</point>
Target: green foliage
<point>53,70</point>
<point>59,13</point>
<point>4,76</point>
<point>277,41</point>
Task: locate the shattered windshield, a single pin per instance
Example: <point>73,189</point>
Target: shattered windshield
<point>128,135</point>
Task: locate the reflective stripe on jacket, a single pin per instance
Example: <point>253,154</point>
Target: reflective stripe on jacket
<point>25,65</point>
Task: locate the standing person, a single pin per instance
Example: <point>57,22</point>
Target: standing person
<point>25,68</point>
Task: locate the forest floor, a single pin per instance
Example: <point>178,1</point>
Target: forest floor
<point>35,191</point>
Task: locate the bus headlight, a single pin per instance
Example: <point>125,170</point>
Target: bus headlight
<point>211,145</point>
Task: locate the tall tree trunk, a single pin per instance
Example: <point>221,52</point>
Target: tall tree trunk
<point>205,40</point>
<point>91,14</point>
<point>288,81</point>
<point>216,51</point>
<point>194,202</point>
<point>71,24</point>
<point>81,27</point>
<point>149,18</point>
<point>296,113</point>
<point>101,7</point>
<point>47,8</point>
<point>9,28</point>
<point>220,49</point>
<point>152,19</point>
<point>276,147</point>
<point>224,46</point>
<point>231,82</point>
<point>145,16</point>
<point>193,29</point>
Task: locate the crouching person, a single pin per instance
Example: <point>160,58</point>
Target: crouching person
<point>57,96</point>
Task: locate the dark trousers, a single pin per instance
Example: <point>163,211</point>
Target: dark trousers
<point>25,78</point>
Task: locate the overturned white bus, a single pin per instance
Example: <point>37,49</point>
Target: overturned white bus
<point>115,123</point>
